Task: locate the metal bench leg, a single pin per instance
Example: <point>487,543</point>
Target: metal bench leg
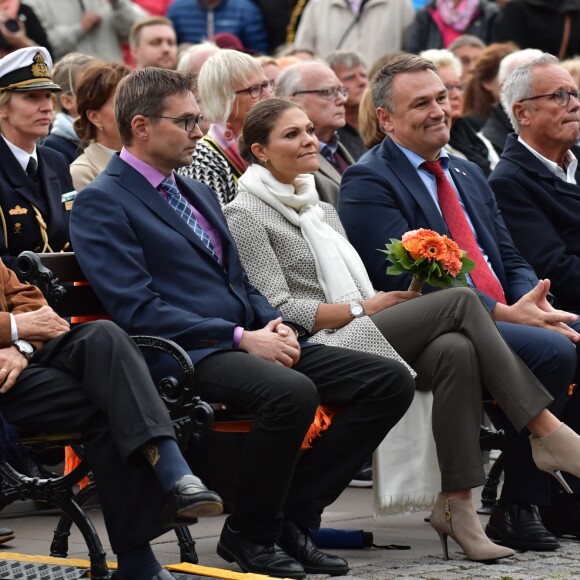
<point>59,545</point>
<point>186,545</point>
<point>97,555</point>
<point>489,491</point>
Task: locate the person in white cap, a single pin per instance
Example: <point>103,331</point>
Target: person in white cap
<point>36,189</point>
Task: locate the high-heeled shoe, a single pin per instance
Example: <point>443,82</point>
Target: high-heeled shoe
<point>456,517</point>
<point>557,452</point>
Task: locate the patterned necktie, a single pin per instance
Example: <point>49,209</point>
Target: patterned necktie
<point>183,209</point>
<point>32,169</point>
<point>454,216</point>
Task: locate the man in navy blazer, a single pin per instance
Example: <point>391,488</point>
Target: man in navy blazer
<point>388,193</point>
<point>537,185</point>
<point>537,182</point>
<point>133,230</point>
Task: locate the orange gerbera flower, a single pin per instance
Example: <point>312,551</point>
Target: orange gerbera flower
<point>413,242</point>
<point>432,248</point>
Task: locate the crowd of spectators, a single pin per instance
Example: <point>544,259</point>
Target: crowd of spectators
<point>460,116</point>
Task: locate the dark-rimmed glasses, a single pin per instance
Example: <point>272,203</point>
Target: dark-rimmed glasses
<point>328,94</point>
<point>255,91</point>
<point>561,97</point>
<point>189,123</point>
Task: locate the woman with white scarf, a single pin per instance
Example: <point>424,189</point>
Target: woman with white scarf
<point>294,250</point>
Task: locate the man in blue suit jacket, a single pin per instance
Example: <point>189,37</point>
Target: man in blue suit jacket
<point>133,230</point>
<point>388,193</point>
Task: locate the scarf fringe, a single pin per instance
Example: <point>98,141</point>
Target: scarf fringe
<point>391,505</point>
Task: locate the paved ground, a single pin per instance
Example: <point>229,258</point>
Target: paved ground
<point>353,510</point>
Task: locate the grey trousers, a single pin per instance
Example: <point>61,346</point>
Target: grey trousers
<point>454,345</point>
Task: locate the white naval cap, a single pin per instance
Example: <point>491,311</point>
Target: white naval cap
<point>27,69</point>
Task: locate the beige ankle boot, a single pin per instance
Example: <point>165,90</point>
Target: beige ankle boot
<point>457,518</point>
<point>559,451</point>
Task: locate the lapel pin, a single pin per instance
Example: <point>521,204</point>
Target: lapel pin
<point>464,173</point>
<point>456,169</point>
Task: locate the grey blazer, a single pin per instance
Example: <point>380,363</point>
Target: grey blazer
<point>327,178</point>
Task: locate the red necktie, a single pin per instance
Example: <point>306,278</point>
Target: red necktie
<point>454,216</point>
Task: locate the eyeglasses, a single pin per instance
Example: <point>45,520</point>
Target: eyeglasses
<point>189,123</point>
<point>459,86</point>
<point>561,97</point>
<point>328,94</point>
<point>255,91</point>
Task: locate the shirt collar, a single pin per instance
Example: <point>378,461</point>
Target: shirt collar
<point>416,160</point>
<point>332,143</point>
<point>150,173</point>
<point>23,157</point>
<point>571,163</point>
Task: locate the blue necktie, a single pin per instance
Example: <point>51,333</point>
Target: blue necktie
<point>183,209</point>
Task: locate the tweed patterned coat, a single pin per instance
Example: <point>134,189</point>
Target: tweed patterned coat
<point>280,264</point>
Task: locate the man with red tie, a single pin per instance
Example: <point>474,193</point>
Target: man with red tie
<point>409,182</point>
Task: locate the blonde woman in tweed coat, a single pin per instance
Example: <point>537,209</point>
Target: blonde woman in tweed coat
<point>294,250</point>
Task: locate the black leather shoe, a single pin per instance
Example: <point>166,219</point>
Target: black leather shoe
<point>163,574</point>
<point>562,517</point>
<point>519,526</point>
<point>6,534</point>
<point>298,543</point>
<point>255,557</point>
<point>190,499</point>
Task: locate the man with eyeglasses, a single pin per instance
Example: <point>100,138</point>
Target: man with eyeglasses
<point>160,257</point>
<point>316,87</point>
<point>537,185</point>
<point>409,182</point>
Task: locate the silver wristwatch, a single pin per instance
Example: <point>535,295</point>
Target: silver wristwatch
<point>357,310</point>
<point>24,348</point>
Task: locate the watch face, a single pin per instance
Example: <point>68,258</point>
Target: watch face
<point>24,347</point>
<point>356,310</point>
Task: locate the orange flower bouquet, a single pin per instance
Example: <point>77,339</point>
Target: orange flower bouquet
<point>428,257</point>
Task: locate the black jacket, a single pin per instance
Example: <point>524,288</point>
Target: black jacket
<point>19,195</point>
<point>425,34</point>
<point>540,24</point>
<point>497,128</point>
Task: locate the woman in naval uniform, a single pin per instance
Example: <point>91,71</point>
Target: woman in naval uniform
<point>36,189</point>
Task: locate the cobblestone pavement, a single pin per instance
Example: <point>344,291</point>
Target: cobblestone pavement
<point>563,563</point>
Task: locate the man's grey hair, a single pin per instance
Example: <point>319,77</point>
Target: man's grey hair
<point>382,82</point>
<point>220,76</point>
<point>289,81</point>
<point>518,85</point>
<point>441,57</point>
<point>206,47</point>
<point>511,62</point>
<point>466,40</point>
<point>338,59</point>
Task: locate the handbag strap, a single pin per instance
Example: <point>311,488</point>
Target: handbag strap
<point>565,36</point>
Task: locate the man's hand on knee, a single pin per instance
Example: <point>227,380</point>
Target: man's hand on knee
<point>276,342</point>
<point>12,363</point>
<point>42,324</point>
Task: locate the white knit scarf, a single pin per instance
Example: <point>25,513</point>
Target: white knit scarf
<point>338,266</point>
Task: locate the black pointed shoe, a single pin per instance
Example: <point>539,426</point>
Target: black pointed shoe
<point>298,543</point>
<point>520,527</point>
<point>260,558</point>
<point>189,500</point>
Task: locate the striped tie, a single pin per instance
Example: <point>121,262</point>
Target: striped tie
<point>183,209</point>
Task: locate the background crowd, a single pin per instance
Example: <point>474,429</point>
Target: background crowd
<point>390,106</point>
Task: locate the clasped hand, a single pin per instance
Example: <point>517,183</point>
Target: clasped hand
<point>276,342</point>
<point>42,324</point>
